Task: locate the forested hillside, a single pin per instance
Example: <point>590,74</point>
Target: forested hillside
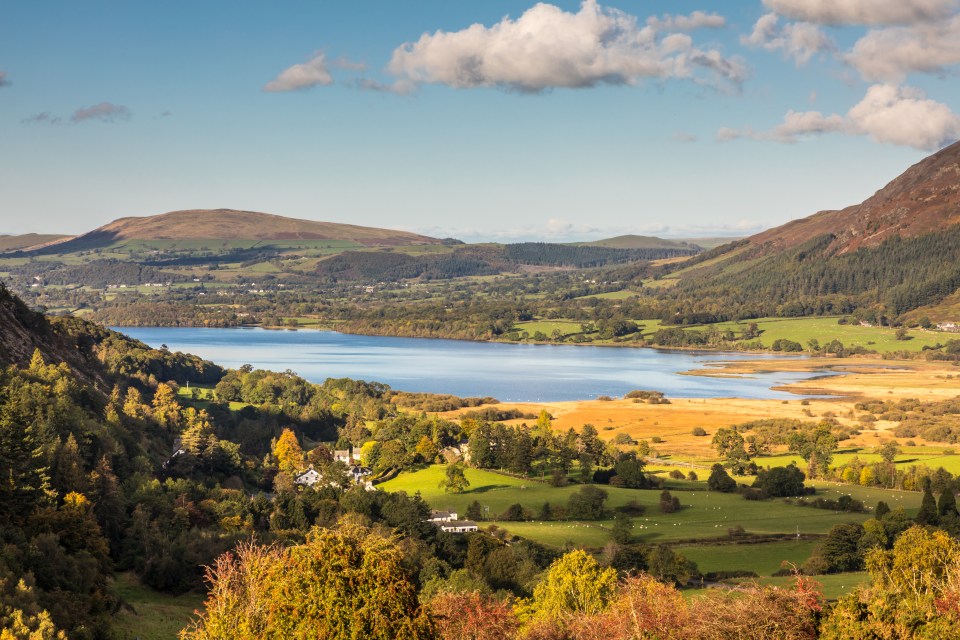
<point>897,251</point>
<point>885,281</point>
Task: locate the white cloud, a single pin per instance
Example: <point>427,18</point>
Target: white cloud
<point>309,74</point>
<point>863,12</point>
<point>547,48</point>
<point>795,124</point>
<point>798,40</point>
<point>904,116</point>
<point>696,20</point>
<point>104,112</point>
<point>890,114</point>
<point>891,54</point>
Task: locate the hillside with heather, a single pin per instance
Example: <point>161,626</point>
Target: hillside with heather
<point>230,224</point>
<point>896,252</point>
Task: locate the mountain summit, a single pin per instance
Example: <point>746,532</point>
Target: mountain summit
<point>231,224</point>
<point>923,199</point>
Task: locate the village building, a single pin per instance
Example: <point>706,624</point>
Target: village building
<point>308,478</point>
<point>442,516</point>
<point>459,526</point>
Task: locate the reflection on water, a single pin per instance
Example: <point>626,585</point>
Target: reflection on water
<point>514,372</point>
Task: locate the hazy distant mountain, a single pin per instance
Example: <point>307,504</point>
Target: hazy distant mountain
<point>28,241</point>
<point>229,224</point>
<point>640,242</point>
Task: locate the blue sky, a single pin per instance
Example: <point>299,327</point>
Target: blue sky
<point>480,120</point>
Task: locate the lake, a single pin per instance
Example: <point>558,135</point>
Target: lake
<point>509,372</point>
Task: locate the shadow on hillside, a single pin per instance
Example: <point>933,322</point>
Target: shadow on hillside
<point>487,487</point>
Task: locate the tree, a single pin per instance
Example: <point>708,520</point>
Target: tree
<point>889,451</point>
<point>720,480</point>
<point>426,450</point>
<point>815,447</point>
<point>133,406</point>
<point>544,428</point>
<point>455,479</point>
<point>24,477</point>
<point>882,509</point>
<point>590,442</point>
<point>947,504</point>
<point>668,566</point>
<point>342,584</point>
<point>288,452</point>
<point>515,513</point>
<point>474,511</point>
<point>913,594</point>
<point>587,504</point>
<point>780,482</point>
<point>393,455</point>
<point>198,438</point>
<point>575,585</point>
<point>166,409</point>
<point>643,608</point>
<point>622,529</point>
<point>629,471</point>
<point>840,550</point>
<point>668,502</point>
<point>469,615</point>
<point>928,506</point>
<point>730,445</point>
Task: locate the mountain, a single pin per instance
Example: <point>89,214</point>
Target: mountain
<point>893,253</point>
<point>29,241</point>
<point>640,242</point>
<point>22,331</point>
<point>230,224</point>
<point>924,199</point>
<point>95,355</point>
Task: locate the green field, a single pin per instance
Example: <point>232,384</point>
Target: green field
<point>907,457</point>
<point>764,559</point>
<point>149,614</point>
<point>826,329</point>
<point>705,515</point>
<point>802,330</point>
<point>565,327</point>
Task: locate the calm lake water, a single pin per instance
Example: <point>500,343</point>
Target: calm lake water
<point>514,372</point>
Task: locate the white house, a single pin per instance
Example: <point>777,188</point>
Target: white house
<point>442,516</point>
<point>308,478</point>
<point>342,455</point>
<point>458,526</point>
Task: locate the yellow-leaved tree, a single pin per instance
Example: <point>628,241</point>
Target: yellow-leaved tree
<point>915,592</point>
<point>576,585</point>
<point>343,583</point>
<point>288,452</point>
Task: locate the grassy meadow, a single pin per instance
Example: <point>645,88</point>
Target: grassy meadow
<point>705,517</point>
<point>151,615</point>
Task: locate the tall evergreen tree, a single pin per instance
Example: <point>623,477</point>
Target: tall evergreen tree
<point>928,506</point>
<point>947,505</point>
